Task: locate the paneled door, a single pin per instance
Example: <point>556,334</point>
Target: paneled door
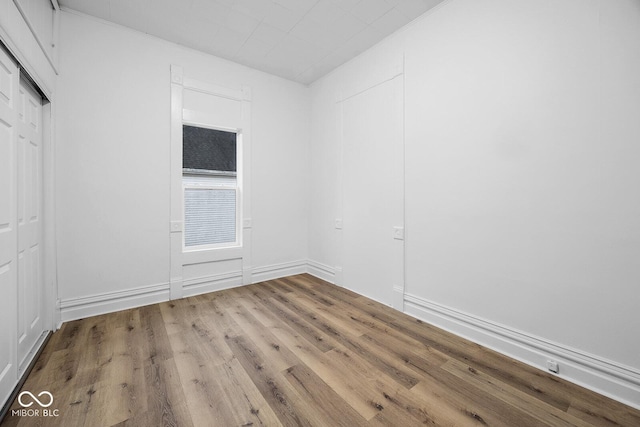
<point>30,280</point>
<point>22,324</point>
<point>9,84</point>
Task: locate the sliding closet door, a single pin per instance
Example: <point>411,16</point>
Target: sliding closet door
<point>30,281</point>
<point>22,323</point>
<point>9,83</point>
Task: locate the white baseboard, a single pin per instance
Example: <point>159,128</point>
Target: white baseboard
<point>276,271</point>
<point>206,284</point>
<point>108,302</point>
<point>398,298</point>
<point>603,376</point>
<point>321,271</point>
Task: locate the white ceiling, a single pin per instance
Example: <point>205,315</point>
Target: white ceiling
<point>300,40</point>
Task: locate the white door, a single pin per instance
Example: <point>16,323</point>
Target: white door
<point>372,194</point>
<point>30,281</point>
<point>21,283</point>
<point>9,84</point>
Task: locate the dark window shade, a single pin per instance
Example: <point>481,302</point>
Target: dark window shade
<point>208,149</point>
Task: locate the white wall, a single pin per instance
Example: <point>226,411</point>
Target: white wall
<point>522,167</point>
<point>113,161</point>
<point>521,152</point>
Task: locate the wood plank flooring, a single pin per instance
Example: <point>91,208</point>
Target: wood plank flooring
<point>292,352</point>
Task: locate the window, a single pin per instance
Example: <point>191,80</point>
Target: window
<point>210,182</point>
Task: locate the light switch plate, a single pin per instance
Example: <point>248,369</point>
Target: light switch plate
<point>176,226</point>
<point>338,223</point>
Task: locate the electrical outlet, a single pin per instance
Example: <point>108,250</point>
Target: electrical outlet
<point>398,233</point>
<point>552,366</point>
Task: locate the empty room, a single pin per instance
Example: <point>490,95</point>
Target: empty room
<point>320,213</point>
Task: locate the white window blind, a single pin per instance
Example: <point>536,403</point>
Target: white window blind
<point>210,215</point>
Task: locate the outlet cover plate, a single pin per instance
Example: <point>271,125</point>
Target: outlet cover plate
<point>398,233</point>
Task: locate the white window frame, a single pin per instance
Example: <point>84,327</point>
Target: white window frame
<point>181,257</point>
<point>238,187</point>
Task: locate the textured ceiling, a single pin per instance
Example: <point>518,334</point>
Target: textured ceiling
<point>300,40</point>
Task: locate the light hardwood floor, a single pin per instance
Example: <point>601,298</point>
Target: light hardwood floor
<point>294,352</point>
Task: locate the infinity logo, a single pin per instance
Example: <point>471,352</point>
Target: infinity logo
<point>35,398</point>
